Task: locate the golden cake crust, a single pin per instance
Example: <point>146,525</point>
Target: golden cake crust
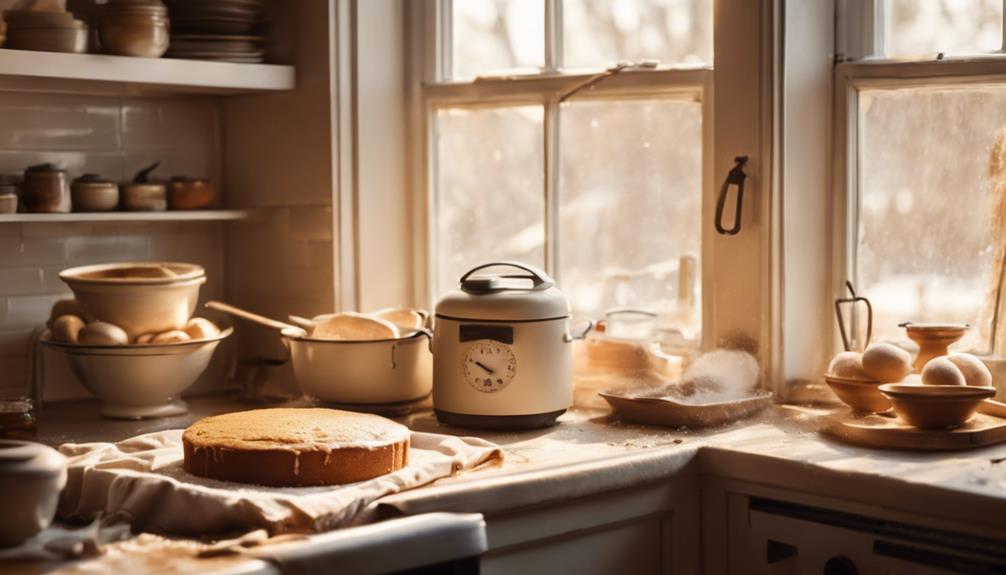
<point>295,447</point>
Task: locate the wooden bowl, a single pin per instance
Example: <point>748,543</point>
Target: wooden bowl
<point>858,394</point>
<point>935,406</point>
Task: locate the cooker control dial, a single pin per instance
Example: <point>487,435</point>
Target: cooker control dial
<point>489,365</point>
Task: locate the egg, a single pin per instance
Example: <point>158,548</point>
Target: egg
<point>201,328</point>
<point>145,338</point>
<point>173,336</point>
<point>67,328</point>
<point>886,362</point>
<point>974,370</point>
<point>102,333</point>
<point>942,371</point>
<point>848,364</point>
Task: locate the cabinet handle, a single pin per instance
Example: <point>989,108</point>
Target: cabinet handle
<point>735,177</point>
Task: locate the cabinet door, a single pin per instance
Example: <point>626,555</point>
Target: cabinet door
<point>634,547</point>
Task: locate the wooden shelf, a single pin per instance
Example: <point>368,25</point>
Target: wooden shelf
<point>162,74</point>
<point>168,216</point>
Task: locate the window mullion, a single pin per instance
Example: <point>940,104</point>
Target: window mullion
<point>552,182</point>
<point>445,40</point>
<point>553,35</point>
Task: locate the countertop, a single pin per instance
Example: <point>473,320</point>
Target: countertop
<point>591,452</point>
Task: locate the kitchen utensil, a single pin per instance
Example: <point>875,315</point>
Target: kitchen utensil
<point>91,193</point>
<point>31,477</point>
<point>142,195</point>
<point>883,432</point>
<point>669,413</point>
<point>502,351</point>
<point>189,193</point>
<point>140,380</point>
<point>46,189</point>
<point>862,396</point>
<point>125,294</point>
<point>935,406</point>
<point>934,339</point>
<point>385,376</point>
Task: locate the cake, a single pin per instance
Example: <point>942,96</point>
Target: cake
<point>295,447</point>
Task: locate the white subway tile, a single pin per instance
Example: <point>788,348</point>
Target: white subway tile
<point>57,122</point>
<point>51,282</point>
<point>82,250</point>
<point>43,250</point>
<point>28,311</point>
<point>313,223</point>
<point>19,281</point>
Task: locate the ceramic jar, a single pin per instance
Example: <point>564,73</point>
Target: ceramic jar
<point>10,190</point>
<point>189,194</point>
<point>134,28</point>
<point>46,189</point>
<point>31,477</point>
<point>91,193</point>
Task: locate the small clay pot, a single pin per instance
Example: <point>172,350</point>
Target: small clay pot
<point>189,194</point>
<point>146,197</point>
<point>90,193</point>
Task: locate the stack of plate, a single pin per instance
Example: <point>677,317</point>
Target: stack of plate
<point>220,30</point>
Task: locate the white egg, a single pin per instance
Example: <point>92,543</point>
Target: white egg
<point>67,328</point>
<point>201,328</point>
<point>974,370</point>
<point>65,307</point>
<point>941,371</point>
<point>145,338</point>
<point>102,333</point>
<point>848,364</point>
<point>886,363</point>
<point>172,336</point>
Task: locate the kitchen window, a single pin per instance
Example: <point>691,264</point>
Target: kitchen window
<point>921,165</point>
<point>600,175</point>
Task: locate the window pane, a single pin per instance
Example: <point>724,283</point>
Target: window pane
<point>917,27</point>
<point>599,33</point>
<point>926,241</point>
<point>631,208</point>
<point>490,198</point>
<point>497,36</point>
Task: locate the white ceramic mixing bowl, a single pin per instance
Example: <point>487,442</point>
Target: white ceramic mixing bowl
<point>140,381</point>
<point>137,304</point>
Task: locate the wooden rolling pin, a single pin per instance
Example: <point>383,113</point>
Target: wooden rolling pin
<point>993,407</point>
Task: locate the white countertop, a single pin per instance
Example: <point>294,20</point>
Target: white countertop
<point>589,452</point>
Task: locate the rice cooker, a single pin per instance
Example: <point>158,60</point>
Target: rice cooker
<point>502,351</point>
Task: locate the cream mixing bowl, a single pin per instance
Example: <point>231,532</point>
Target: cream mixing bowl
<point>142,380</point>
<point>139,297</point>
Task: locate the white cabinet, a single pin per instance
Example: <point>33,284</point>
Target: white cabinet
<point>644,530</point>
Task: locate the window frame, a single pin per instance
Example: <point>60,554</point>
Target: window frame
<point>850,78</point>
<point>545,89</point>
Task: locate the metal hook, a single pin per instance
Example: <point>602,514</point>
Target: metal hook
<point>736,176</point>
<point>841,321</point>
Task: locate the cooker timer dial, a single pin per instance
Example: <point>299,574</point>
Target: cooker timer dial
<point>489,365</point>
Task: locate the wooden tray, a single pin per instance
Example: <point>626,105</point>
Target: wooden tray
<point>892,433</point>
<point>670,413</point>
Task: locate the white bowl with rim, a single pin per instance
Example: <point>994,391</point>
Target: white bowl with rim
<point>138,296</point>
<point>138,381</point>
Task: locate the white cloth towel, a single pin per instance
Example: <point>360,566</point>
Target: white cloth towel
<point>141,480</point>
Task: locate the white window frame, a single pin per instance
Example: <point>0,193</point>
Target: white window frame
<point>861,69</point>
<point>740,285</point>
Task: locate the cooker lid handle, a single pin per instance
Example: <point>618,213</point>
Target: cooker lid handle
<point>540,280</point>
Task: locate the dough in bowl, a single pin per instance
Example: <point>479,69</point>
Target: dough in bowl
<point>354,326</point>
<point>289,447</point>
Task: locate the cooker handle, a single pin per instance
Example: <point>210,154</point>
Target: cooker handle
<point>540,279</point>
<point>583,334</point>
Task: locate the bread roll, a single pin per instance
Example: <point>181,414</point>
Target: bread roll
<point>849,365</point>
<point>67,328</point>
<point>886,363</point>
<point>172,336</point>
<point>201,328</point>
<point>407,319</point>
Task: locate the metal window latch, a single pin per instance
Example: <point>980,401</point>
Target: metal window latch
<point>852,301</point>
<point>735,177</point>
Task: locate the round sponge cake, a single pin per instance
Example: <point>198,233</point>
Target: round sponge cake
<point>295,447</point>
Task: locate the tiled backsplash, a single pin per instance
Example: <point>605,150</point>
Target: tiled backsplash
<point>114,137</point>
